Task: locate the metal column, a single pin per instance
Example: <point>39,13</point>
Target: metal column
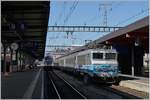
<point>11,64</point>
<point>132,58</point>
<point>17,59</point>
<point>20,60</point>
<point>4,69</point>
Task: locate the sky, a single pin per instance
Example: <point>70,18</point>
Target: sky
<point>90,13</point>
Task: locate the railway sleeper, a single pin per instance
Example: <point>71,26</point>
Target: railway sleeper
<point>87,79</point>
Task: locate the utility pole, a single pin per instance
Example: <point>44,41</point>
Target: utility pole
<point>104,7</point>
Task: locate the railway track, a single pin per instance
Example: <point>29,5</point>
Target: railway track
<point>103,89</point>
<point>62,89</point>
<point>50,91</point>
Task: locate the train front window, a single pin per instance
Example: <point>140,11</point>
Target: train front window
<point>110,56</point>
<point>97,55</point>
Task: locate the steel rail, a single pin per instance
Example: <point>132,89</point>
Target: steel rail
<point>56,90</point>
<point>71,86</point>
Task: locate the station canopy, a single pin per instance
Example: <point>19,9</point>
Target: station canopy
<point>126,36</point>
<point>25,23</point>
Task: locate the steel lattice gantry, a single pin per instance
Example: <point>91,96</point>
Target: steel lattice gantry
<point>82,28</point>
<point>60,46</point>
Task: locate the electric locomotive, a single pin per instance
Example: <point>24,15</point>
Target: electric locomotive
<point>100,64</point>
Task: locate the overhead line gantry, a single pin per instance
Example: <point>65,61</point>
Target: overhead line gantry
<point>82,28</point>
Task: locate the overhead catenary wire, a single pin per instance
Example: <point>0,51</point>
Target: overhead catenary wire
<point>96,17</point>
<point>112,6</point>
<point>64,8</point>
<point>139,13</point>
<point>62,13</point>
<point>72,8</point>
<point>68,15</point>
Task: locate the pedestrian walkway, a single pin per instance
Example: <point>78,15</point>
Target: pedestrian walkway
<point>21,85</point>
<point>140,84</point>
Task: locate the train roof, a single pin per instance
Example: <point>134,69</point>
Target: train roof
<point>89,50</point>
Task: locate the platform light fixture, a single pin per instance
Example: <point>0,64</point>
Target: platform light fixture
<point>107,42</point>
<point>137,41</point>
<point>128,36</point>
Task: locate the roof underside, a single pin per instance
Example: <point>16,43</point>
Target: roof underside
<point>128,35</point>
<point>26,22</point>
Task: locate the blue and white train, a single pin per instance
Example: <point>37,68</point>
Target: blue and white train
<point>92,63</point>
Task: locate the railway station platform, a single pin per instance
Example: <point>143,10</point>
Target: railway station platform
<point>137,83</point>
<point>25,84</point>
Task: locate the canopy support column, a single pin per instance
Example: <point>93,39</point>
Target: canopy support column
<point>132,59</point>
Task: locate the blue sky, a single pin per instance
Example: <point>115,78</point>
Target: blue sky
<point>120,13</point>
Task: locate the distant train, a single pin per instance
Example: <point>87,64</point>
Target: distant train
<point>98,64</point>
<point>48,60</point>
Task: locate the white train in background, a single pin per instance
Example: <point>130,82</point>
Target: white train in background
<point>92,63</point>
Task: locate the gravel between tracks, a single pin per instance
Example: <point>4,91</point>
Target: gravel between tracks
<point>93,92</point>
<point>88,90</point>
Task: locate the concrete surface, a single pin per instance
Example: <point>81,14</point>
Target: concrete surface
<point>16,84</point>
<point>140,85</point>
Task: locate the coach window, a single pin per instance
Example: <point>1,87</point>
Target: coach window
<point>97,55</point>
<point>110,56</point>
